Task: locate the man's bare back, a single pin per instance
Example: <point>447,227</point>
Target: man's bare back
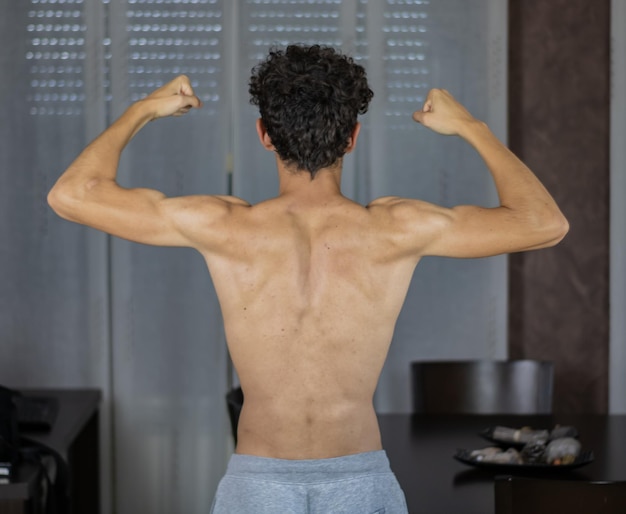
<point>310,292</point>
<point>310,283</point>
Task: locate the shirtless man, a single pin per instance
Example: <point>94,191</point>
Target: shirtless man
<point>310,283</point>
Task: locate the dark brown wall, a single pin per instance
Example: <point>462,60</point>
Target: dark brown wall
<point>559,125</point>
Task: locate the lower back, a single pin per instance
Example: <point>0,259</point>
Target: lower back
<point>288,426</point>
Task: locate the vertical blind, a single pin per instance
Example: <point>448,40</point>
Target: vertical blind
<point>169,360</point>
<point>142,323</point>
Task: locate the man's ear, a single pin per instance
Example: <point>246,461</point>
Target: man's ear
<point>264,137</point>
<point>353,137</point>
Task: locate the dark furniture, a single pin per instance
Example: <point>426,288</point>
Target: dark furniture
<point>75,437</point>
<point>520,495</point>
<point>421,449</point>
<point>482,387</point>
<point>234,403</point>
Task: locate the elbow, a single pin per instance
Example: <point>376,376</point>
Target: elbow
<point>64,198</point>
<point>55,197</point>
<point>59,201</point>
<point>563,228</point>
<point>554,229</point>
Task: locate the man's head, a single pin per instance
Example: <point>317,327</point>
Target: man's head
<point>309,99</point>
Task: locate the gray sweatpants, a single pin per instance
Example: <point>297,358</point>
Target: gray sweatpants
<point>354,484</point>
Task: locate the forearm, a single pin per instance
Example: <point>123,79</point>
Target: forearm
<point>518,187</point>
<point>99,160</point>
<point>98,163</point>
<point>527,217</point>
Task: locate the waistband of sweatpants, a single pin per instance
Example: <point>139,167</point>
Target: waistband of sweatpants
<point>309,470</point>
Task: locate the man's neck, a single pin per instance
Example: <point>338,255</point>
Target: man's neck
<point>327,182</point>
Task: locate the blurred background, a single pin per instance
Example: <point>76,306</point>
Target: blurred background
<point>81,309</point>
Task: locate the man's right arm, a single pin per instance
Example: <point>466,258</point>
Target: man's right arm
<point>527,218</point>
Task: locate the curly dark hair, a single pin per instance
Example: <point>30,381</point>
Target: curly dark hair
<point>309,99</point>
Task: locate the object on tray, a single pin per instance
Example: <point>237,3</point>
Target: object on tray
<point>559,432</point>
<point>465,456</point>
<point>497,455</point>
<point>562,451</point>
<point>529,447</point>
<point>508,436</point>
<point>518,435</point>
<point>534,451</point>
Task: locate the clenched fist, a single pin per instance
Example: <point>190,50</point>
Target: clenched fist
<point>443,114</point>
<point>173,99</point>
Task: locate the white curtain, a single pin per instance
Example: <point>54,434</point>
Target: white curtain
<point>141,323</point>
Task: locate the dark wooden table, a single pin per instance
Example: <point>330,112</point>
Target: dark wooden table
<point>421,449</point>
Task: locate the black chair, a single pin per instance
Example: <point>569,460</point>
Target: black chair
<point>234,401</point>
<point>519,495</point>
<point>482,387</point>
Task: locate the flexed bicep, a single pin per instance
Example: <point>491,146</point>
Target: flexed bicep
<point>133,214</point>
<point>148,216</point>
<point>469,231</point>
<point>465,231</point>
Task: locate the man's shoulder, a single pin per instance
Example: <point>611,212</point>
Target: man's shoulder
<point>204,201</point>
<point>385,201</point>
<point>400,206</point>
<point>233,200</point>
<point>200,212</point>
<point>405,216</point>
<point>194,206</point>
